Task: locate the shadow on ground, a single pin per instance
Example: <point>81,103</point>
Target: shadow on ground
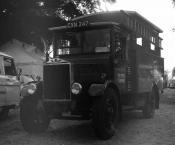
<point>82,132</point>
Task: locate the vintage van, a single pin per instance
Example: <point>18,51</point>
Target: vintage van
<point>9,85</point>
<point>103,64</point>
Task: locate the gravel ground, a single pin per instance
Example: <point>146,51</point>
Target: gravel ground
<point>133,130</point>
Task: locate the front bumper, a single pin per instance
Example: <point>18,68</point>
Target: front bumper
<point>62,109</point>
<point>57,107</point>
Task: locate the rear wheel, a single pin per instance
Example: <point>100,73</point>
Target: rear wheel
<point>105,113</point>
<point>33,118</point>
<point>149,108</point>
<point>157,98</point>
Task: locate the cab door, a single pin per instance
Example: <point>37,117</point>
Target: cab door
<point>12,84</point>
<point>2,84</point>
<point>119,46</point>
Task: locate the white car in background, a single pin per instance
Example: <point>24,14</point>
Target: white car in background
<point>9,85</point>
<point>172,84</point>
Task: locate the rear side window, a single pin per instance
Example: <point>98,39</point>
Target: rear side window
<point>9,67</point>
<point>1,65</point>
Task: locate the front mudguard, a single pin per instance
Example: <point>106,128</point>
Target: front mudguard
<point>96,89</point>
<point>99,89</point>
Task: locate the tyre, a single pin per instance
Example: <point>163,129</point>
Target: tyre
<point>4,113</point>
<point>149,108</point>
<point>33,120</point>
<point>105,114</point>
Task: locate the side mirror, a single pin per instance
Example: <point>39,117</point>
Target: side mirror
<point>19,72</point>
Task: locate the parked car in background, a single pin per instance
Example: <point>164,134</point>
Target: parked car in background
<point>9,85</point>
<point>171,83</point>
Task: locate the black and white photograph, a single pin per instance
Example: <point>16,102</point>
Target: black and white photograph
<point>87,72</point>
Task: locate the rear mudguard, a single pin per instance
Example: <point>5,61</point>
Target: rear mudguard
<point>157,96</point>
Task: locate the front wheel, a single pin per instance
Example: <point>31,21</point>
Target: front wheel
<point>33,118</point>
<point>105,113</point>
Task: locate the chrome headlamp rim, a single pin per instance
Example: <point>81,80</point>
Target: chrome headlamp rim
<point>29,89</point>
<point>76,88</point>
<point>32,89</point>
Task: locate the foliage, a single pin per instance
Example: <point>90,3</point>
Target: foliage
<point>21,18</point>
<point>173,1</point>
<point>63,8</point>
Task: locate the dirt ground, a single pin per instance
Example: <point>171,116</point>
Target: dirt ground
<point>133,130</point>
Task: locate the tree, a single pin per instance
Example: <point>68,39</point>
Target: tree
<point>65,8</point>
<point>166,78</point>
<point>35,16</point>
<point>173,72</point>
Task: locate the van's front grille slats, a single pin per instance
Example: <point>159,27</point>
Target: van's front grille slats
<point>57,81</point>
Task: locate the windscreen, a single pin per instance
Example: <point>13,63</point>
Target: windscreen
<point>82,42</point>
<point>9,67</point>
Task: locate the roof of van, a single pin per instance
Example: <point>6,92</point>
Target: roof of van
<point>92,24</point>
<point>6,55</point>
<point>127,13</point>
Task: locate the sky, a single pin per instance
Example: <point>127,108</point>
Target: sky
<point>162,14</point>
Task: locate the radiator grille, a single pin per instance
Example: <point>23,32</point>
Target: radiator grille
<point>57,81</point>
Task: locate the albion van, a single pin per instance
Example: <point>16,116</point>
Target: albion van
<point>102,64</point>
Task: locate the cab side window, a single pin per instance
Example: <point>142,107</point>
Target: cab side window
<point>120,46</point>
<point>9,67</point>
<point>1,66</point>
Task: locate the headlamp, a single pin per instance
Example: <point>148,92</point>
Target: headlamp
<point>32,88</point>
<point>28,89</point>
<point>76,88</point>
